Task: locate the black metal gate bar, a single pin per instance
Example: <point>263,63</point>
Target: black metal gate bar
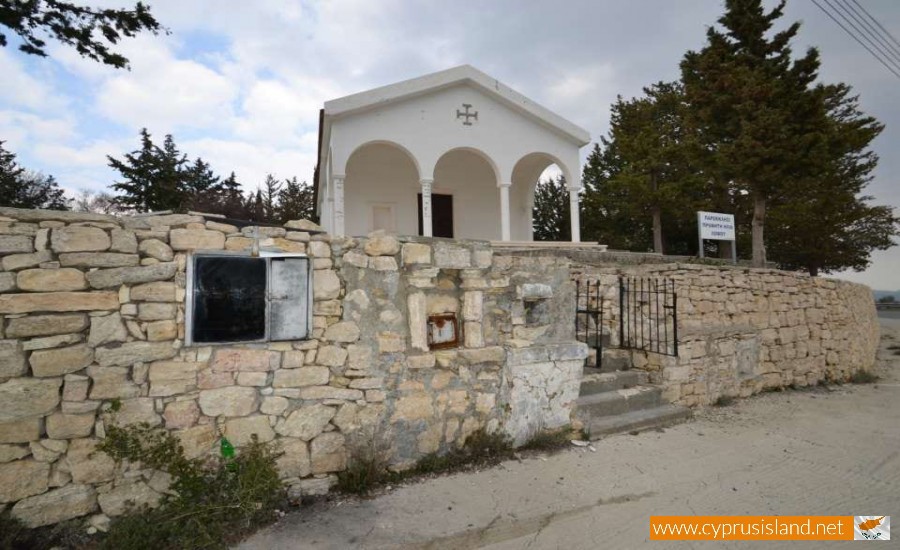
<point>644,305</point>
<point>589,316</point>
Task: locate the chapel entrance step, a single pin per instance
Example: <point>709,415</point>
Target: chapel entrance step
<point>623,401</point>
<point>638,420</point>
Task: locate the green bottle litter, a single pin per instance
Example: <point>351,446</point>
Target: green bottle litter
<point>227,448</point>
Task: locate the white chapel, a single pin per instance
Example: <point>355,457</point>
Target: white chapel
<point>450,154</point>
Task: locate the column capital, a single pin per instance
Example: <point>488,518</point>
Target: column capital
<point>338,177</point>
<point>574,189</point>
<point>504,184</point>
<point>426,181</point>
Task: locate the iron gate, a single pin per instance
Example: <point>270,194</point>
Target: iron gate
<point>647,316</point>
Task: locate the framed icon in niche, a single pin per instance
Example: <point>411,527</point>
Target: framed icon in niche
<point>443,331</point>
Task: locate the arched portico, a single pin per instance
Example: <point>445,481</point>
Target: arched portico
<point>452,153</point>
<point>525,176</point>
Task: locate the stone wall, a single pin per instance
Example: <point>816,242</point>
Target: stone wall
<point>92,310</point>
<point>743,330</point>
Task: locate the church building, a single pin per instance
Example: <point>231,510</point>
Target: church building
<point>452,154</point>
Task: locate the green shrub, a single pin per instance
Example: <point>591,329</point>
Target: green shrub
<point>215,502</point>
<point>863,377</point>
<point>550,440</point>
<point>14,535</point>
<point>724,401</point>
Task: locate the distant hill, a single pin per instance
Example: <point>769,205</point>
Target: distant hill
<point>878,294</point>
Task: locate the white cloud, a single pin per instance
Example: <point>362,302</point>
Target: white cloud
<point>166,93</point>
<point>252,161</point>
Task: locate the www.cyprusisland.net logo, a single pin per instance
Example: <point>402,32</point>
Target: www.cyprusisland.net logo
<point>871,527</point>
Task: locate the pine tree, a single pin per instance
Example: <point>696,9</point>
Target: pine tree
<point>823,223</point>
<point>551,219</point>
<point>750,105</point>
<point>269,194</point>
<point>21,188</point>
<point>295,201</point>
<point>203,190</point>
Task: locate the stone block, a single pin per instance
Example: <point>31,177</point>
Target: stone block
<point>472,306</point>
<point>14,262</point>
<point>245,360</point>
<point>16,243</point>
<point>536,291</point>
<point>306,422</point>
<point>8,453</point>
<point>331,356</point>
<point>22,479</point>
<point>344,331</point>
<point>21,398</point>
<point>327,453</point>
<point>162,330</point>
<point>156,311</point>
<point>383,263</point>
<point>425,361</point>
<point>413,407</point>
<point>12,359</point>
<point>294,460</point>
<point>56,506</point>
<point>111,383</point>
<point>304,376</point>
<point>254,379</point>
<point>328,392</point>
<point>418,325</point>
<point>197,441</point>
<point>238,243</point>
<point>229,401</point>
<point>356,259</point>
<point>20,431</point>
<point>240,431</point>
<point>196,239</point>
<point>87,464</point>
<point>155,248</point>
<point>69,426</point>
<point>107,329</point>
<point>172,377</point>
<point>391,342</point>
<point>140,410</point>
<point>98,259</point>
<point>58,301</point>
<point>415,253</point>
<point>115,277</point>
<point>134,352</point>
<point>492,354</point>
<point>123,240</point>
<point>50,280</point>
<point>303,225</point>
<point>326,285</point>
<point>7,282</point>
<point>129,497</point>
<point>473,334</point>
<point>360,357</point>
<point>76,387</point>
<point>274,405</point>
<point>79,239</point>
<point>181,414</point>
<point>452,257</point>
<point>382,245</point>
<point>159,291</point>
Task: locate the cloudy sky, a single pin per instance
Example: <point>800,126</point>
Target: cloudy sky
<point>240,83</point>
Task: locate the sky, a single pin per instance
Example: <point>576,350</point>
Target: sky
<point>240,83</point>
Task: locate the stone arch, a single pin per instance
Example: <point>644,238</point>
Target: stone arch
<point>383,179</point>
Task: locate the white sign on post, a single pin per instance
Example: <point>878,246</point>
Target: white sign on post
<point>717,227</point>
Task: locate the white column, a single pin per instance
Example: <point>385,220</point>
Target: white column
<point>426,206</point>
<point>338,180</point>
<point>504,211</point>
<point>575,214</point>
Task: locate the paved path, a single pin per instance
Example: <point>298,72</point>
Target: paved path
<point>810,452</point>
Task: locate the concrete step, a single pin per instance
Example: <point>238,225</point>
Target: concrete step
<point>595,381</point>
<point>619,401</point>
<point>638,420</point>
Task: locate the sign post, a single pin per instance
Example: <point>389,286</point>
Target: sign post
<point>717,227</point>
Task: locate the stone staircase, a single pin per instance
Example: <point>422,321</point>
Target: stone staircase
<point>621,401</point>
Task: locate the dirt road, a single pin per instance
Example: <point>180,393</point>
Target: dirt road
<point>822,452</point>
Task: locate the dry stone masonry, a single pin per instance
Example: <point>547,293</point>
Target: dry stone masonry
<point>92,309</point>
<point>743,331</point>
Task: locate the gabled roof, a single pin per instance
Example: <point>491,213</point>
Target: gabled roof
<point>464,74</point>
